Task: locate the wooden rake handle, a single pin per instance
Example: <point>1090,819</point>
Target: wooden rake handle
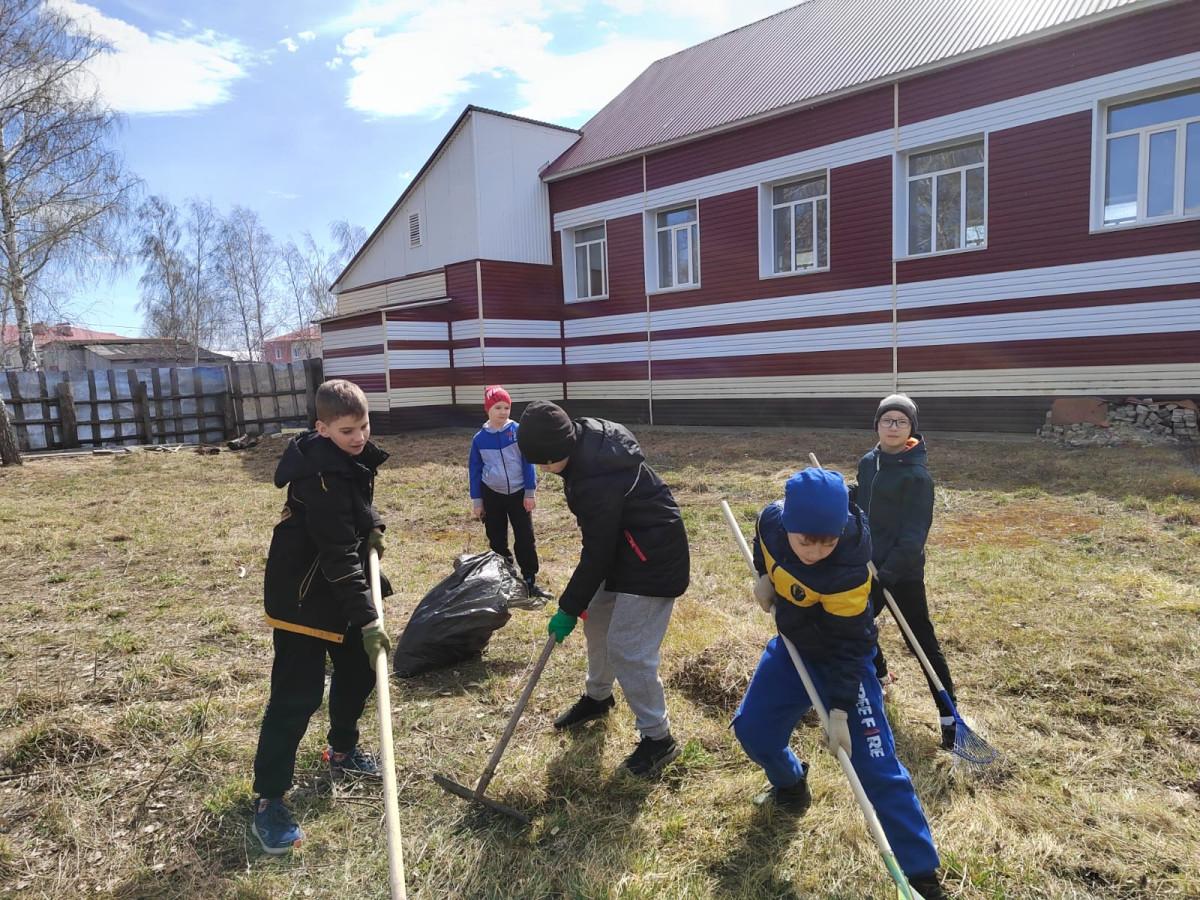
<point>486,777</point>
<point>391,803</point>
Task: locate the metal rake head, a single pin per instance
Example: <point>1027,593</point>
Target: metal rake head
<point>972,752</point>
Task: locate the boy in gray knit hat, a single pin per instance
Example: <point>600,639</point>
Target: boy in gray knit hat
<point>895,490</point>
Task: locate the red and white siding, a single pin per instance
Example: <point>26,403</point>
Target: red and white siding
<point>1050,307</point>
<point>353,348</point>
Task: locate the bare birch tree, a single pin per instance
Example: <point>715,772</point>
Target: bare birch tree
<point>204,317</point>
<point>308,270</point>
<point>64,192</point>
<point>164,270</point>
<point>248,260</point>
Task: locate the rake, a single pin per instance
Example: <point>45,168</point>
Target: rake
<point>904,890</point>
<point>391,804</point>
<point>476,796</point>
<point>970,750</point>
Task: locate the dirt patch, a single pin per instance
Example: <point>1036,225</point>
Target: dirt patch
<point>1024,523</point>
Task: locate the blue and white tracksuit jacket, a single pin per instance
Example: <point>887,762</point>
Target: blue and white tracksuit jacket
<point>824,609</point>
<point>496,461</point>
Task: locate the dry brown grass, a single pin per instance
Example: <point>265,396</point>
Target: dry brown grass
<point>133,673</point>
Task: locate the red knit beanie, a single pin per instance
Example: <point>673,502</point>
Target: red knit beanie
<point>493,395</point>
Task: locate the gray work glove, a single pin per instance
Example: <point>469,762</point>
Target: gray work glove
<point>839,732</point>
<point>374,640</point>
<point>764,592</point>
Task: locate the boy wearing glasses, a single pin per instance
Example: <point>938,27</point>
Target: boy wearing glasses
<point>896,493</point>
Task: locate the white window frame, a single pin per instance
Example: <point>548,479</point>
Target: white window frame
<point>766,224</point>
<point>651,231</point>
<point>1100,138</point>
<point>902,180</point>
<point>570,266</point>
<point>278,353</point>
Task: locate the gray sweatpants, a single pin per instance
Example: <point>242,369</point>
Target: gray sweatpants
<point>624,635</point>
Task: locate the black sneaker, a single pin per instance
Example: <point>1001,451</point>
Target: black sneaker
<point>585,710</point>
<point>651,756</point>
<point>537,592</point>
<point>949,733</point>
<point>927,886</point>
<point>795,799</point>
<point>354,764</point>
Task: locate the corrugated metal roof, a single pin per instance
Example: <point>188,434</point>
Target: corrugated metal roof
<point>810,51</point>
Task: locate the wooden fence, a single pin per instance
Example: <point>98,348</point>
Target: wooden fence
<point>202,404</point>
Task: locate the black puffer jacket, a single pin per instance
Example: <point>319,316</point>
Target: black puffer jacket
<point>822,608</point>
<point>316,580</point>
<point>896,492</point>
<point>634,540</point>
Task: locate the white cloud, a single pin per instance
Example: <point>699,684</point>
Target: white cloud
<point>421,57</point>
<point>160,72</point>
<point>334,64</point>
<point>290,45</point>
<point>307,35</point>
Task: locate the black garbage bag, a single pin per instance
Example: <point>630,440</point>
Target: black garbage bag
<point>455,620</point>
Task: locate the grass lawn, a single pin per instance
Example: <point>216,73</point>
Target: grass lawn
<point>134,668</point>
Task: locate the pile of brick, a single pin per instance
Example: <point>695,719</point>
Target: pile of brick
<point>1092,422</point>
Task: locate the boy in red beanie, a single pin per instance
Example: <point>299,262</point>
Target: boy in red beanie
<point>504,486</point>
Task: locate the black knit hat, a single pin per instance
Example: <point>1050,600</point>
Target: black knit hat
<point>900,403</point>
<point>545,433</point>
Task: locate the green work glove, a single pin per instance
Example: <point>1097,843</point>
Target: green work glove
<point>375,541</point>
<point>374,640</point>
<point>561,624</point>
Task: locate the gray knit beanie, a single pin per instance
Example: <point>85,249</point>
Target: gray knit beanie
<point>900,403</point>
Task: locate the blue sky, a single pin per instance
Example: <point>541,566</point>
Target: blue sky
<point>309,110</point>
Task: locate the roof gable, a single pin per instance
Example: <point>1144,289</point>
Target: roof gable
<point>437,154</point>
<point>807,54</point>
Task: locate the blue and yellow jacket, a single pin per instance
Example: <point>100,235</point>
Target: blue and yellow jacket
<point>823,608</point>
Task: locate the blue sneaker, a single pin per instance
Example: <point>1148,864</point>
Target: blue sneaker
<point>274,826</point>
<point>354,763</point>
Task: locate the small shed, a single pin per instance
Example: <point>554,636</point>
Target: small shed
<point>125,353</point>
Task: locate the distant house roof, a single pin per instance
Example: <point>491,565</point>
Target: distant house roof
<point>311,333</point>
<point>134,350</point>
<point>44,334</point>
<point>806,54</point>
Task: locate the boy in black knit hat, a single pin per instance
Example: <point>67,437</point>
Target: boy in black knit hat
<point>896,492</point>
<point>633,564</point>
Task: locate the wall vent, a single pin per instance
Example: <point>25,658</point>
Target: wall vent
<point>414,230</point>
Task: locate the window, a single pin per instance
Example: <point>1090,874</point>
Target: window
<point>945,198</point>
<point>1151,159</point>
<point>414,229</point>
<point>799,225</point>
<point>676,248</point>
<point>279,353</point>
<point>591,262</point>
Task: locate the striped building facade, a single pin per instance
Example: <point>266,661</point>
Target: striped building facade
<point>1035,297</point>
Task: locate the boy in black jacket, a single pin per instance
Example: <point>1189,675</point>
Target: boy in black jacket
<point>896,492</point>
<point>319,602</point>
<point>633,564</point>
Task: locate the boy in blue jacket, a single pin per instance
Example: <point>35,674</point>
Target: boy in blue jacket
<point>503,487</point>
<point>896,492</point>
<point>810,553</point>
